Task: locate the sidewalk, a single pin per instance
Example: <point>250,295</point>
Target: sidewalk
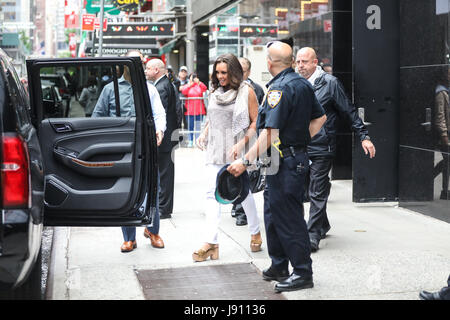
<point>373,251</point>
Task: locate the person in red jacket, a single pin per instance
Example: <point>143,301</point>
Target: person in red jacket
<point>195,108</point>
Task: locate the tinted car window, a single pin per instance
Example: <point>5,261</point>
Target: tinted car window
<point>19,98</point>
<point>87,91</point>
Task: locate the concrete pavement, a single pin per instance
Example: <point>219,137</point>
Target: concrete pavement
<point>373,251</point>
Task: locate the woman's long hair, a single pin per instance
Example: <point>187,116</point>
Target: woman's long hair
<point>235,72</point>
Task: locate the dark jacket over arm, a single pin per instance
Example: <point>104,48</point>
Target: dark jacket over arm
<point>168,99</point>
<point>333,99</point>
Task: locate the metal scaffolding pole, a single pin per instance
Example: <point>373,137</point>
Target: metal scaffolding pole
<point>100,37</point>
<point>189,37</point>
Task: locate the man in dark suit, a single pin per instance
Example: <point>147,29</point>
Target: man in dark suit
<point>156,72</point>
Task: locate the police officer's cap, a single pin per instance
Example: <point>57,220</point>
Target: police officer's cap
<point>231,189</point>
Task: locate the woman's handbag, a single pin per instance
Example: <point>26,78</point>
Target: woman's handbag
<point>257,179</point>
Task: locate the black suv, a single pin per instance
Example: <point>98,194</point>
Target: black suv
<point>70,171</point>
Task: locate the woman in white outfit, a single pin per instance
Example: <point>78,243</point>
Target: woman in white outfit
<point>231,122</point>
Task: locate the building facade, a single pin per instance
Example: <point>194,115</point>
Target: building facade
<point>392,57</point>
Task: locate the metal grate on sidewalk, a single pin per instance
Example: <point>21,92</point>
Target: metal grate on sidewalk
<point>215,282</point>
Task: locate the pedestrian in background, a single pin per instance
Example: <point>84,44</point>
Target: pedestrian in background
<point>159,117</point>
<point>288,118</point>
<point>182,80</point>
<point>231,122</point>
<point>195,108</point>
<point>156,72</point>
<point>170,75</point>
<point>322,148</point>
<point>88,97</point>
<point>441,126</point>
<point>247,69</point>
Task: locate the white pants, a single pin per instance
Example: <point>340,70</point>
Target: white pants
<point>213,208</point>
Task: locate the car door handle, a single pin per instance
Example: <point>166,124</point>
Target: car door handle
<point>62,127</point>
<point>106,148</point>
<point>120,168</point>
<point>361,114</point>
<point>427,123</point>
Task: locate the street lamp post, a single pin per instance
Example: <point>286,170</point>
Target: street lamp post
<point>189,39</point>
<point>100,40</point>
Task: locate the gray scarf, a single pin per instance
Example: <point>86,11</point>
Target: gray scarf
<point>241,118</point>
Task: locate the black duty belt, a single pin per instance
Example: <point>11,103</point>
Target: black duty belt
<point>291,151</point>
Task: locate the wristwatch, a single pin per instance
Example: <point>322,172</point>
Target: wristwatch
<point>245,162</point>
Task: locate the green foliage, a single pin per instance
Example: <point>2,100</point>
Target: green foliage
<point>26,41</point>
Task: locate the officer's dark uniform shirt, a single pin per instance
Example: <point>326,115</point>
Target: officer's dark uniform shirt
<point>287,107</point>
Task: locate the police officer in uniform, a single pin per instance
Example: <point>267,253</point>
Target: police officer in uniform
<point>288,117</point>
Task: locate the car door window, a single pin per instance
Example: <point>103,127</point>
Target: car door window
<point>98,152</point>
<point>87,91</point>
<point>20,99</point>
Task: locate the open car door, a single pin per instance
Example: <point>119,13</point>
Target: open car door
<point>98,143</point>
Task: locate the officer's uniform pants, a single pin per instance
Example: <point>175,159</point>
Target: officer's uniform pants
<point>319,190</point>
<point>286,230</point>
<point>213,212</point>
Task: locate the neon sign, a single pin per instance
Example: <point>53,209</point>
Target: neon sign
<point>245,30</point>
<point>141,29</point>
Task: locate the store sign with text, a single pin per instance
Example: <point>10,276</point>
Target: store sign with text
<point>88,21</point>
<point>128,5</point>
<point>121,51</point>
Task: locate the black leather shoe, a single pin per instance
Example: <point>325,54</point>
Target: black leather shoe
<point>271,274</point>
<point>425,295</point>
<point>323,232</point>
<point>294,282</point>
<point>233,212</point>
<point>241,219</point>
<point>314,244</point>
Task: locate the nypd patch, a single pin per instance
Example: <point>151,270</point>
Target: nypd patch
<point>274,97</point>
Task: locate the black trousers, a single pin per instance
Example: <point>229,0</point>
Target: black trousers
<point>319,190</point>
<point>286,231</point>
<point>167,182</point>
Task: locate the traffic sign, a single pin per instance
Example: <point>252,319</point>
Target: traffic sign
<point>88,22</point>
<point>93,7</point>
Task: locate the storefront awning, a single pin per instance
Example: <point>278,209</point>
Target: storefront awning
<point>166,48</point>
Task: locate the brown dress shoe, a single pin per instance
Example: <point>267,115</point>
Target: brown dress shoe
<point>128,246</point>
<point>155,239</point>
